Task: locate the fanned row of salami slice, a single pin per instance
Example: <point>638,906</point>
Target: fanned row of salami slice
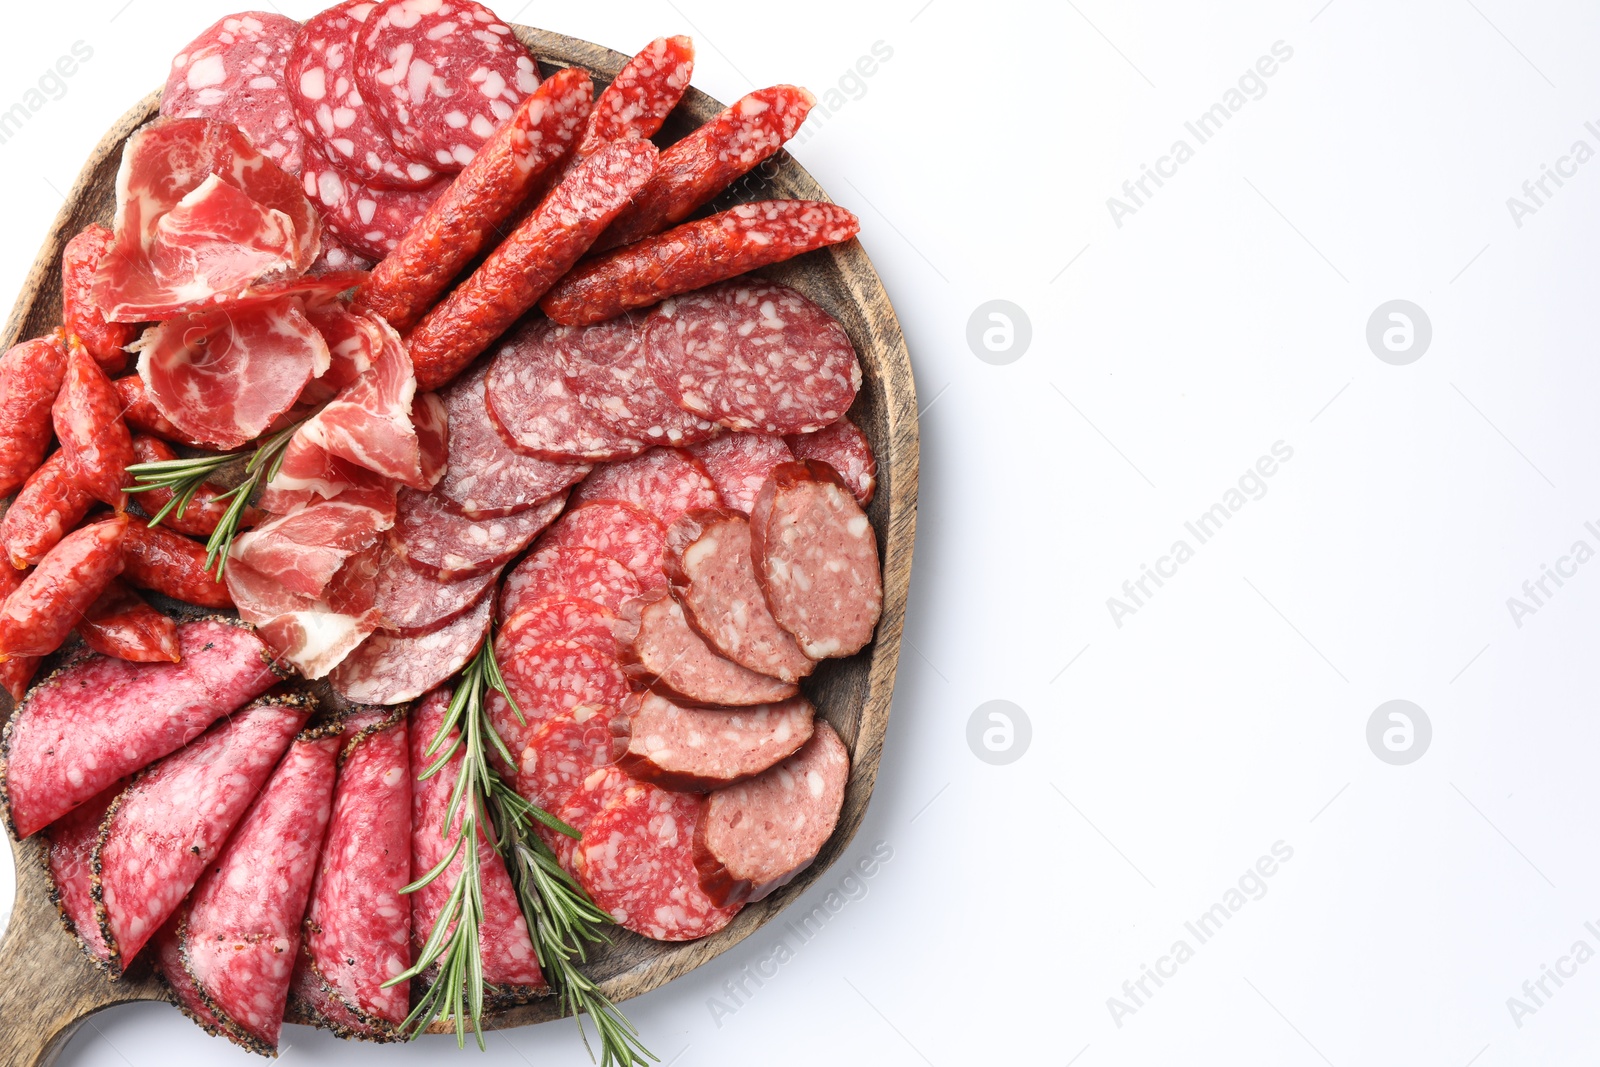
<point>557,414</point>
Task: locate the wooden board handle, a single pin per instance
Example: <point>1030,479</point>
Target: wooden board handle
<point>47,987</point>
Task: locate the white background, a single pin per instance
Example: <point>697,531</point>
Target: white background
<point>1229,713</point>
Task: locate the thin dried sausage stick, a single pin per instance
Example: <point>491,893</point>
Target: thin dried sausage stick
<point>695,255</point>
<point>173,565</point>
<point>120,624</point>
<point>30,377</point>
<point>524,267</point>
<point>199,517</point>
<point>50,504</point>
<point>88,422</point>
<point>80,261</point>
<point>37,618</point>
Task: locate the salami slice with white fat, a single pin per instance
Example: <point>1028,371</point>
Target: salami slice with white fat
<point>442,76</point>
<point>663,483</point>
<point>234,72</point>
<point>621,531</point>
<point>506,949</point>
<point>321,80</point>
<point>173,821</point>
<point>485,479</point>
<point>589,799</point>
<point>390,669</point>
<point>70,860</point>
<point>563,751</point>
<point>100,719</point>
<point>816,557</point>
<point>240,931</point>
<point>661,650</point>
<point>739,464</point>
<point>756,836</point>
<point>358,927</point>
<point>447,546</point>
<point>547,679</point>
<point>708,566</point>
<point>637,862</point>
<point>370,219</point>
<point>411,603</point>
<point>753,355</point>
<point>567,569</point>
<point>696,750</point>
<point>606,370</point>
<point>563,618</point>
<point>842,446</point>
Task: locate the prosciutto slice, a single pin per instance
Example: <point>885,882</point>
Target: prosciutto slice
<point>369,422</point>
<point>222,377</point>
<point>311,634</point>
<point>309,474</point>
<point>201,217</point>
<point>304,549</point>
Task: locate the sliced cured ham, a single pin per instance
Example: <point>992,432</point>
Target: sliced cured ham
<point>100,719</point>
<point>201,216</point>
<point>310,634</point>
<point>304,549</point>
<point>240,930</point>
<point>223,377</point>
<point>308,474</point>
<point>509,961</point>
<point>173,821</point>
<point>369,422</point>
<point>358,928</point>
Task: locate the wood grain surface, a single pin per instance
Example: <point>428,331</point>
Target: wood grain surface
<point>48,988</point>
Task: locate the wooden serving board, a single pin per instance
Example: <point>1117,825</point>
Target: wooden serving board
<point>48,988</point>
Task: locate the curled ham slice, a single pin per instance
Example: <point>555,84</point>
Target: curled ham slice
<point>304,549</point>
<point>309,474</point>
<point>201,217</point>
<point>369,422</point>
<point>311,634</point>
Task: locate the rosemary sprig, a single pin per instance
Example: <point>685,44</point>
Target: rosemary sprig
<point>184,477</point>
<point>560,917</point>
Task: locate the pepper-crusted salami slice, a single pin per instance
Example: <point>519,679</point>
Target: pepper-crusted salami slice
<point>99,719</point>
<point>707,563</point>
<point>119,623</point>
<point>390,669</point>
<point>442,75</point>
<point>170,563</point>
<point>458,225</point>
<point>36,619</point>
<point>641,96</point>
<point>241,932</point>
<point>694,255</point>
<point>816,557</point>
<point>484,478</point>
<point>699,749</point>
<point>30,377</point>
<point>661,650</point>
<point>570,569</point>
<point>233,72</point>
<point>562,618</point>
<point>506,948</point>
<point>535,412</point>
<point>637,862</point>
<point>80,262</point>
<point>169,960</point>
<point>663,483</point>
<point>87,415</point>
<point>607,371</point>
<point>547,679</point>
<point>621,531</point>
<point>358,928</point>
<point>589,799</point>
<point>412,603</point>
<point>527,263</point>
<point>198,517</point>
<point>561,752</point>
<point>70,858</point>
<point>707,161</point>
<point>174,819</point>
<point>320,77</point>
<point>369,218</point>
<point>447,546</point>
<point>50,504</point>
<point>751,355</point>
<point>756,836</point>
<point>739,464</point>
<point>842,446</point>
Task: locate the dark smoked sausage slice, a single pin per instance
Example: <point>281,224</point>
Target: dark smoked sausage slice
<point>637,862</point>
<point>661,650</point>
<point>708,567</point>
<point>100,719</point>
<point>696,750</point>
<point>755,836</point>
<point>817,559</point>
<point>412,603</point>
<point>173,821</point>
